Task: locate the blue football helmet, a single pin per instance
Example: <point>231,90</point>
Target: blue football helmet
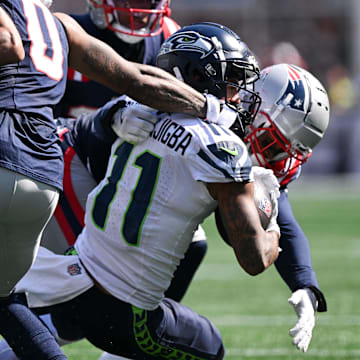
<point>211,58</point>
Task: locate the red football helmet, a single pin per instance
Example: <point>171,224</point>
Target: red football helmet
<point>135,19</point>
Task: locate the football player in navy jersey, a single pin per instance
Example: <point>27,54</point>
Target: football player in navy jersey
<point>32,82</point>
<point>135,29</point>
<point>31,159</point>
<point>293,119</point>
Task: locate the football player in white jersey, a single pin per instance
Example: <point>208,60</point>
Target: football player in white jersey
<point>153,197</point>
<point>292,120</point>
<point>296,126</point>
<point>140,219</point>
<point>276,125</point>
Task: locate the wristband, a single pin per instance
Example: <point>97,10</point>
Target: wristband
<point>321,302</point>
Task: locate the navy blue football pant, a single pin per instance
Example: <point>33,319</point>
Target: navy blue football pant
<point>172,331</point>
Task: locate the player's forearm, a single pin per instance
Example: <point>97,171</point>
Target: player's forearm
<point>169,94</point>
<point>255,249</point>
<point>146,84</point>
<point>257,252</point>
<point>294,263</point>
<point>11,47</point>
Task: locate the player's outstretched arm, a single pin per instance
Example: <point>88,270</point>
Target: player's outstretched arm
<point>294,266</point>
<point>255,248</point>
<point>146,84</point>
<point>294,263</point>
<point>11,47</point>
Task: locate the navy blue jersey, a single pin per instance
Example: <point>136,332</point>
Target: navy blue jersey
<point>91,137</point>
<point>296,249</point>
<point>29,90</point>
<point>83,95</point>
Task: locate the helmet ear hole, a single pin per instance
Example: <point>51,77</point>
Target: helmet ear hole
<point>197,76</point>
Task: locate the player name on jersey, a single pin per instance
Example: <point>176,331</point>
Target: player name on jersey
<point>173,135</point>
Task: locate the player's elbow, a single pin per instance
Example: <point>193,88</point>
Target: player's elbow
<point>255,258</point>
<point>11,51</point>
<point>12,56</point>
<point>254,267</point>
<point>18,53</point>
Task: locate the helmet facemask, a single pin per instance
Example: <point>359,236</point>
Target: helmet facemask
<point>267,145</point>
<point>130,20</point>
<point>293,117</point>
<point>247,102</point>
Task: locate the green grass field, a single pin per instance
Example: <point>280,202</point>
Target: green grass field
<point>252,313</point>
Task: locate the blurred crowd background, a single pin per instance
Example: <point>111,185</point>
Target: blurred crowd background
<point>322,36</point>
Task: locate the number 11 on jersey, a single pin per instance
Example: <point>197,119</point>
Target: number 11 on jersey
<point>141,196</point>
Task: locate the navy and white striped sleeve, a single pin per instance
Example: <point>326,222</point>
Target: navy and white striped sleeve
<point>221,156</point>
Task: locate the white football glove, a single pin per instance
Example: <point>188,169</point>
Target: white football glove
<point>305,304</point>
<point>213,107</point>
<point>271,184</point>
<point>134,123</point>
<point>267,177</point>
<point>273,225</point>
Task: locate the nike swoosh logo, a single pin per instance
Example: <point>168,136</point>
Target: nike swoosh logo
<point>231,152</point>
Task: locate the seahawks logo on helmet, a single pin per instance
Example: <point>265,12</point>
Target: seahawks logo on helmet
<point>189,41</point>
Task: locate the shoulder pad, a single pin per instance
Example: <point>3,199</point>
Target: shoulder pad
<point>221,155</point>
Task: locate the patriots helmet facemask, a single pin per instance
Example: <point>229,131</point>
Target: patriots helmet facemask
<point>293,116</point>
<point>130,20</point>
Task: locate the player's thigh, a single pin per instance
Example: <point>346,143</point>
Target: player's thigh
<point>105,321</point>
<point>120,328</point>
<point>25,208</point>
<point>25,201</point>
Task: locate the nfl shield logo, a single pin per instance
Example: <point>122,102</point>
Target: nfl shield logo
<point>74,269</point>
<point>265,206</point>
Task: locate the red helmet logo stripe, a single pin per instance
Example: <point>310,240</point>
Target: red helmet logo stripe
<point>293,74</point>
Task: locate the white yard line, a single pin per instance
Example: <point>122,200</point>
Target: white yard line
<point>313,353</point>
